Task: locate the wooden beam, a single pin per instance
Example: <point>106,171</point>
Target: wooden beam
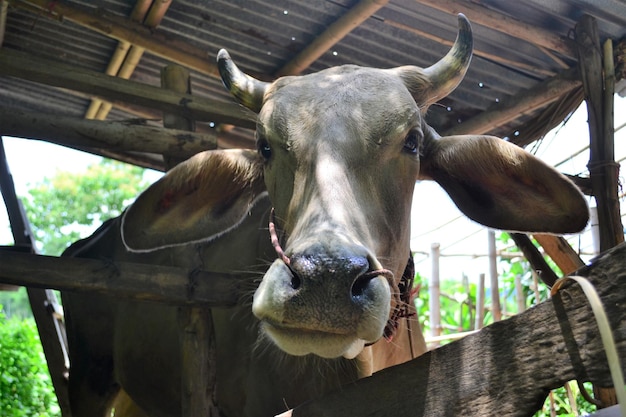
<point>524,102</point>
<point>484,16</point>
<point>164,284</point>
<point>28,67</point>
<point>534,257</point>
<point>117,136</point>
<point>107,24</point>
<point>498,370</point>
<point>334,33</point>
<point>560,252</point>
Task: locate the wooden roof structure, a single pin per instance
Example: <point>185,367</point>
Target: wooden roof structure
<point>63,61</point>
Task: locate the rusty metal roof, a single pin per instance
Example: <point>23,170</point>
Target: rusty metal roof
<point>518,45</point>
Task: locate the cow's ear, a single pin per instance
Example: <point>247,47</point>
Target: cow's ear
<point>198,200</point>
<point>502,186</point>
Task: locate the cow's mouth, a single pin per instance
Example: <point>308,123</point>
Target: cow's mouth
<point>305,341</point>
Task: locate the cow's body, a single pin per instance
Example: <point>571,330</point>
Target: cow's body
<point>339,152</point>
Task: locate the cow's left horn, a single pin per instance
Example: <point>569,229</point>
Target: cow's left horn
<point>446,74</point>
<point>431,84</point>
<point>247,90</point>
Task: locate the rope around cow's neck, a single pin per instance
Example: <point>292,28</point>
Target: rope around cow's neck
<point>402,291</point>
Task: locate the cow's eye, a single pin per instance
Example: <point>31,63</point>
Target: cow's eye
<point>264,148</point>
<point>412,142</point>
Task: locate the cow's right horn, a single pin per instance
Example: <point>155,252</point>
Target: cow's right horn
<point>247,90</point>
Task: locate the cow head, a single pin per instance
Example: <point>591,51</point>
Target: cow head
<point>342,149</point>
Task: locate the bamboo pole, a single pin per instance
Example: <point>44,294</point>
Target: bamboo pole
<point>598,83</point>
<point>519,294</point>
<point>493,276</point>
<point>150,13</point>
<point>434,290</point>
<point>480,302</point>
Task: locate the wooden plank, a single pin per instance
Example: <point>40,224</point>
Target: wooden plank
<point>171,285</point>
<point>500,370</point>
<point>116,136</point>
<point>28,67</point>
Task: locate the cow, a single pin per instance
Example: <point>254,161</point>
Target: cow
<point>318,219</point>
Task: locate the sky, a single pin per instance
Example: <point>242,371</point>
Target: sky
<point>435,219</point>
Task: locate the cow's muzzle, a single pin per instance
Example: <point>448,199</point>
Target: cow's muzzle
<point>326,300</point>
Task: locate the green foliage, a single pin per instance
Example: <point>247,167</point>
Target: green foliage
<point>68,206</point>
<point>15,304</point>
<point>458,301</point>
<point>25,386</point>
<point>561,405</point>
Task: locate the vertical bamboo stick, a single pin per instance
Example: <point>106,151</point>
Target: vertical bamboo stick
<point>435,291</point>
<point>480,302</point>
<point>493,276</point>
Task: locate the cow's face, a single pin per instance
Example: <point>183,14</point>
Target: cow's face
<point>341,151</point>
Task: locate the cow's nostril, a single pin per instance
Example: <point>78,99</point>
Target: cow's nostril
<point>360,285</point>
<point>295,281</point>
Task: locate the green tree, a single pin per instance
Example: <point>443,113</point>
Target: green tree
<point>69,206</point>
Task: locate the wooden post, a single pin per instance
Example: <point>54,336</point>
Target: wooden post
<point>435,291</point>
<point>493,276</point>
<point>43,302</point>
<point>535,258</point>
<point>198,379</point>
<point>176,78</point>
<point>598,76</point>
